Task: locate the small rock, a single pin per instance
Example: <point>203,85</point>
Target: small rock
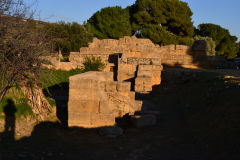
<point>143,120</point>
<point>111,132</point>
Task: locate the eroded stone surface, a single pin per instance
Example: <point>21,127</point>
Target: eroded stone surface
<point>95,100</point>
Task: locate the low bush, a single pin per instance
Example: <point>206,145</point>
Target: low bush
<point>93,64</point>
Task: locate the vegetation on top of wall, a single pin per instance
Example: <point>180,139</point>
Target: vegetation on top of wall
<point>93,64</point>
<point>226,44</point>
<point>210,45</point>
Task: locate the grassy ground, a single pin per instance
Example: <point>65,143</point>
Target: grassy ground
<point>50,77</point>
<point>198,119</point>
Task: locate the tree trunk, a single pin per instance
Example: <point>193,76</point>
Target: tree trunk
<point>37,101</point>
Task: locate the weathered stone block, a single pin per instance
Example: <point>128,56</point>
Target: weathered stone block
<point>79,119</point>
<point>123,86</point>
<point>79,106</point>
<point>144,73</point>
<point>157,67</point>
<point>138,87</point>
<point>145,68</point>
<point>83,83</point>
<point>111,87</point>
<point>104,107</point>
<point>84,94</point>
<point>102,120</point>
<point>132,95</point>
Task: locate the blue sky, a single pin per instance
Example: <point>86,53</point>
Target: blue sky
<point>222,12</point>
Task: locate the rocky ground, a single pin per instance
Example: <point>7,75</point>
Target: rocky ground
<point>197,119</point>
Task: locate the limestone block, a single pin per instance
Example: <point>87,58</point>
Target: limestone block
<point>84,106</point>
<point>144,73</point>
<point>132,95</point>
<point>121,95</point>
<point>138,105</point>
<point>145,68</point>
<point>157,67</point>
<point>79,119</point>
<point>104,107</point>
<point>124,76</point>
<point>147,87</point>
<point>138,87</point>
<point>111,87</point>
<point>84,94</point>
<point>102,120</point>
<point>146,79</point>
<point>83,83</point>
<point>123,86</point>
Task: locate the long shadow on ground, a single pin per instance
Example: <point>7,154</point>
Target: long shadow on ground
<point>198,119</point>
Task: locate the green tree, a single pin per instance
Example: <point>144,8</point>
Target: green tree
<point>170,18</point>
<point>110,22</point>
<point>69,36</point>
<point>226,44</point>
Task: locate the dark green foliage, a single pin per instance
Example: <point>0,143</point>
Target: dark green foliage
<point>225,43</point>
<point>238,46</point>
<point>110,22</point>
<point>163,21</point>
<point>210,45</point>
<point>68,36</point>
<point>161,36</point>
<point>93,64</point>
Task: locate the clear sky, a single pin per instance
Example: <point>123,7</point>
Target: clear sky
<point>222,12</point>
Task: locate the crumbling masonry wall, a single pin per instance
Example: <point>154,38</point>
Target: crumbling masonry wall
<point>132,47</point>
<point>95,100</point>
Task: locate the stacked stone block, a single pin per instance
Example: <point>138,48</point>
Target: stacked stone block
<point>95,100</point>
<point>147,76</point>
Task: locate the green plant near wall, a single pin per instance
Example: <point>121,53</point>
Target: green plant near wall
<point>210,45</point>
<point>93,64</point>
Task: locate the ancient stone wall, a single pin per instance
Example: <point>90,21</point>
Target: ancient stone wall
<point>132,47</point>
<point>95,100</point>
<point>140,49</point>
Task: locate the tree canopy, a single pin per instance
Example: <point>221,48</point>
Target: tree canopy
<point>68,36</point>
<point>110,22</point>
<point>172,15</point>
<point>162,21</point>
<point>226,44</point>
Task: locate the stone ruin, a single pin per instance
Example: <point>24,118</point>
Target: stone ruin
<point>132,47</point>
<point>96,99</point>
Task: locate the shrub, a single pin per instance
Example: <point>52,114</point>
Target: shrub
<point>93,64</point>
<point>210,45</point>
